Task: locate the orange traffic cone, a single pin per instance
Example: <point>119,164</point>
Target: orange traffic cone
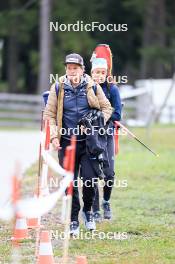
<point>81,260</point>
<point>33,223</point>
<point>20,230</point>
<point>45,249</point>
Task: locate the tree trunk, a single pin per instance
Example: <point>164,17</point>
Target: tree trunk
<point>12,48</point>
<point>45,46</point>
<point>153,37</point>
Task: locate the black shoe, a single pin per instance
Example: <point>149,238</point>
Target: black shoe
<point>107,210</point>
<point>74,228</point>
<point>97,216</point>
<point>89,220</point>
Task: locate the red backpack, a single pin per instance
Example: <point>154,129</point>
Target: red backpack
<point>103,51</point>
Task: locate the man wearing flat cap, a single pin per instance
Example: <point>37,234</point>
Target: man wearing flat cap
<point>68,101</point>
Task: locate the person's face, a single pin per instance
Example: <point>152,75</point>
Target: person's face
<point>74,73</point>
<point>99,75</point>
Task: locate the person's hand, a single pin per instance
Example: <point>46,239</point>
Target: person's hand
<point>56,144</point>
<point>83,129</point>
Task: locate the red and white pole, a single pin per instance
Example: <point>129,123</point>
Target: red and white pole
<point>69,165</point>
<point>116,139</point>
<point>44,189</point>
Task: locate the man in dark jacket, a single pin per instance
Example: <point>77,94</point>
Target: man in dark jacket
<point>75,98</point>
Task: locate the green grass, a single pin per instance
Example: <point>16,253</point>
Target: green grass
<point>13,128</point>
<point>145,209</point>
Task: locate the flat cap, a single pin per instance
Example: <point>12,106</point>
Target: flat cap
<point>74,58</point>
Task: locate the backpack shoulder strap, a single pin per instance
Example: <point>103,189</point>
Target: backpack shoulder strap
<point>94,87</point>
<point>57,88</point>
<point>108,89</point>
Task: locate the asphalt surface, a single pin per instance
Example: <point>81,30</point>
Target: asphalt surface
<point>16,147</point>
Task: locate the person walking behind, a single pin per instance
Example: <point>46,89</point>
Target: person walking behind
<point>99,73</point>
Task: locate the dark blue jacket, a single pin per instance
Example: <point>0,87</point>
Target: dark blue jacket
<point>113,96</point>
<point>75,104</point>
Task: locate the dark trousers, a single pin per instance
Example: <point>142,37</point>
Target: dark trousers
<point>87,175</point>
<point>109,175</point>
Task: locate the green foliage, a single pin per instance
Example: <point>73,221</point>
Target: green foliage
<point>127,47</point>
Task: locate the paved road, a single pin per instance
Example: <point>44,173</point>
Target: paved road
<point>16,146</point>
